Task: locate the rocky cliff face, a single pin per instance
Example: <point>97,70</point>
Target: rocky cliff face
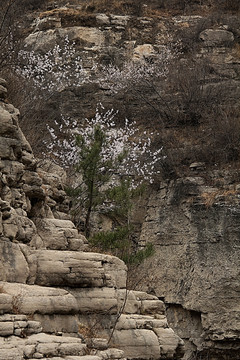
<point>212,44</point>
<point>193,220</point>
<point>195,230</point>
<point>57,301</point>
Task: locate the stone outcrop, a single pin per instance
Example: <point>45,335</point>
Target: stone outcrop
<point>107,38</point>
<point>57,300</point>
<point>193,225</point>
<point>194,228</point>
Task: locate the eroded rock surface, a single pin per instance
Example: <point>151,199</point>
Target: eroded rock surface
<point>57,301</point>
<point>195,230</point>
<point>196,265</point>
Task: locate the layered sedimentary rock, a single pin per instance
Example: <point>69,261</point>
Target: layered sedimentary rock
<point>58,301</point>
<point>103,39</point>
<point>195,229</point>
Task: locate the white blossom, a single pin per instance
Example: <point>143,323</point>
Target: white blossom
<point>55,70</point>
<point>136,72</point>
<point>140,160</point>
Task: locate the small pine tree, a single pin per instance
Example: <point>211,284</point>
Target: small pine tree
<point>119,239</point>
<point>113,164</point>
<point>96,172</point>
<point>97,189</point>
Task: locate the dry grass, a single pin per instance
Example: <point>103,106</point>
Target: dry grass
<point>85,331</point>
<point>153,8</point>
<point>2,291</point>
<point>150,8</point>
<point>17,302</point>
<point>209,198</point>
<point>59,12</point>
<point>71,17</point>
<point>236,50</point>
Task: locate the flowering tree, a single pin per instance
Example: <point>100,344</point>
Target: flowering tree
<point>140,161</point>
<point>110,160</point>
<point>9,31</point>
<point>38,78</point>
<point>146,78</point>
<point>138,72</point>
<point>173,88</point>
<point>55,70</point>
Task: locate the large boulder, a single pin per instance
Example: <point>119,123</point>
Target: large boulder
<point>79,269</point>
<point>216,37</point>
<point>13,264</point>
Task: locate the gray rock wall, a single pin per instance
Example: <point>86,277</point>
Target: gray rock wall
<point>195,231</point>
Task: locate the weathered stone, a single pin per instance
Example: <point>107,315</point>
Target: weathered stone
<point>79,269</point>
<point>96,300</point>
<point>85,357</point>
<point>127,299</point>
<point>102,19</point>
<point>92,36</point>
<point>33,327</point>
<point>34,192</point>
<point>17,226</point>
<point>7,148</point>
<point>3,92</point>
<point>50,345</point>
<point>29,350</point>
<point>141,295</point>
<point>7,126</point>
<point>119,20</point>
<point>11,350</point>
<point>5,302</point>
<point>97,343</point>
<point>28,159</point>
<point>13,317</point>
<point>6,328</point>
<point>94,283</point>
<point>46,23</point>
<point>31,261</point>
<point>28,299</point>
<point>15,267</point>
<point>152,307</point>
<point>134,321</point>
<point>143,51</point>
<point>10,230</point>
<point>191,241</point>
<point>111,354</point>
<point>58,323</point>
<point>59,234</point>
<point>172,347</point>
<point>197,166</point>
<point>3,82</point>
<point>32,178</point>
<point>213,37</point>
<point>137,341</point>
<point>77,244</point>
<point>41,40</point>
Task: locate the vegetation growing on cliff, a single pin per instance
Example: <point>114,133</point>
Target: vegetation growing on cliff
<point>111,165</point>
<point>183,99</point>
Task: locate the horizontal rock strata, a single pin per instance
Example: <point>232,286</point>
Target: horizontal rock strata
<point>57,301</point>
